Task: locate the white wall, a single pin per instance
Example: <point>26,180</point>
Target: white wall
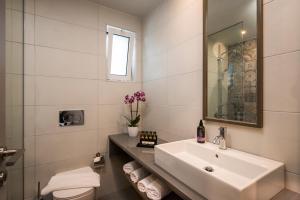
<point>65,69</point>
<point>172,74</point>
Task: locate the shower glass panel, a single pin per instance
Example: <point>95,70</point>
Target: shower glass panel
<point>12,96</point>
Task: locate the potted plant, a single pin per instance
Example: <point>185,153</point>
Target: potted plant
<point>135,117</point>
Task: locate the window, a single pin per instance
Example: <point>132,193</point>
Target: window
<point>119,53</point>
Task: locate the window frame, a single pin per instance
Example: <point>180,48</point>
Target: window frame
<point>110,32</point>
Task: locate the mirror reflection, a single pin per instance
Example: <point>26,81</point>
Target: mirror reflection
<point>232,60</point>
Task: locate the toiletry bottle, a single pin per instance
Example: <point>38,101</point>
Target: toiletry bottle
<point>146,138</point>
<point>155,137</point>
<point>201,133</point>
<point>142,137</point>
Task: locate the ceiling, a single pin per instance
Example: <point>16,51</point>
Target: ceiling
<point>135,7</point>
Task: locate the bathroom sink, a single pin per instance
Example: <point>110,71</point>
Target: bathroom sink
<point>221,174</point>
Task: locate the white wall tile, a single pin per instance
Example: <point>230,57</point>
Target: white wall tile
<point>113,92</point>
<point>103,137</point>
<point>29,55</point>
<point>102,42</point>
<point>164,13</point>
<point>29,6</point>
<point>281,34</point>
<point>185,90</point>
<point>29,28</point>
<point>286,127</point>
<point>14,25</point>
<point>14,84</point>
<point>156,19</point>
<point>51,125</point>
<point>108,16</point>
<point>29,122</point>
<point>137,74</point>
<point>13,58</point>
<point>102,68</point>
<point>15,183</point>
<point>78,12</point>
<point>29,90</point>
<point>286,155</point>
<point>183,120</point>
<point>186,57</point>
<point>29,155</point>
<point>58,147</point>
<point>30,186</point>
<point>61,63</point>
<point>14,4</point>
<point>156,43</point>
<point>14,126</point>
<point>156,92</point>
<point>111,116</point>
<point>186,25</point>
<point>281,80</point>
<point>139,49</point>
<point>155,67</point>
<point>156,118</point>
<point>65,91</point>
<point>52,33</point>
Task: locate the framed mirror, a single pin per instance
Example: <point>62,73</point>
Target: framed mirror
<point>233,62</point>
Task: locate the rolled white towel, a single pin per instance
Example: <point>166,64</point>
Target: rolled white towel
<point>142,184</point>
<point>130,167</point>
<point>157,190</point>
<point>138,174</point>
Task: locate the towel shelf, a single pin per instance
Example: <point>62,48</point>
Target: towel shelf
<point>143,195</point>
<point>121,144</point>
<point>171,196</point>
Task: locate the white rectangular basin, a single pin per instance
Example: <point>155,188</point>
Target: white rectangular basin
<point>235,175</point>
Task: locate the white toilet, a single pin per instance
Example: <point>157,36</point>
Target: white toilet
<point>83,183</point>
<point>75,194</point>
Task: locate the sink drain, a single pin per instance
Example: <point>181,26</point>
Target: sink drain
<point>209,169</point>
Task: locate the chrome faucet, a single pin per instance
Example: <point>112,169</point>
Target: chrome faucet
<point>220,139</point>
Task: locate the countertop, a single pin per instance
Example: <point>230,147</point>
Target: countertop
<point>145,156</point>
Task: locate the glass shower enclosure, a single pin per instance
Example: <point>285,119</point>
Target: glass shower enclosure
<point>11,99</point>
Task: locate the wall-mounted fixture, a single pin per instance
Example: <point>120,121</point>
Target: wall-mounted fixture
<point>71,118</point>
<point>233,62</point>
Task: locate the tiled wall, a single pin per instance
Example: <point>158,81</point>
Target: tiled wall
<point>65,69</point>
<point>172,66</point>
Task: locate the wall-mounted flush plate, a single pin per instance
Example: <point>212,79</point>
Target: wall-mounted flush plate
<point>71,118</point>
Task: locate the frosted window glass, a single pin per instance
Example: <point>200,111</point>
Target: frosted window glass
<point>119,57</point>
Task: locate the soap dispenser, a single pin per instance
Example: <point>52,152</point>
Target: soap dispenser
<point>201,133</point>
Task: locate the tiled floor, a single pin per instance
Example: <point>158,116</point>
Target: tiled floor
<point>287,195</point>
<point>125,194</point>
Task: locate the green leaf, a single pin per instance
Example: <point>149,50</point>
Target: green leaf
<point>129,120</point>
<point>136,120</point>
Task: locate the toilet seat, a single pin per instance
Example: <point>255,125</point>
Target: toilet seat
<point>74,194</point>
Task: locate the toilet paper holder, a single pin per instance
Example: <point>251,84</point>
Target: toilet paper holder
<point>99,160</point>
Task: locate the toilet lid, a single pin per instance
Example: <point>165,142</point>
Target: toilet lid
<point>78,192</point>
